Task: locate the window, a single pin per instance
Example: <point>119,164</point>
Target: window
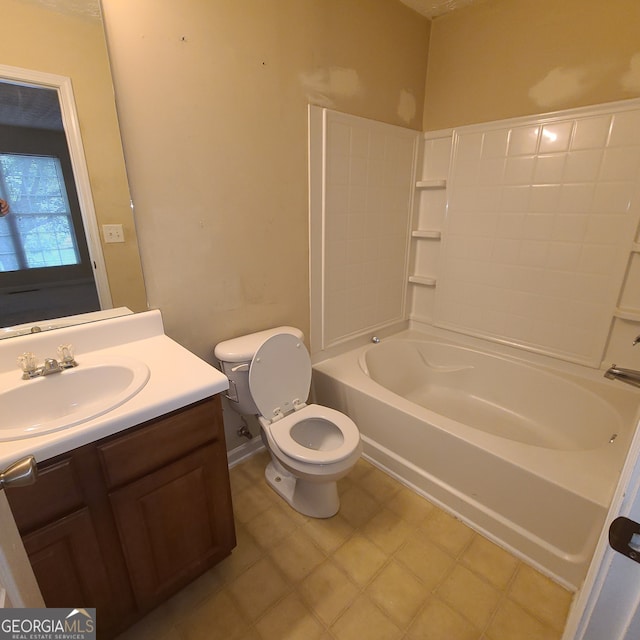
<point>39,233</point>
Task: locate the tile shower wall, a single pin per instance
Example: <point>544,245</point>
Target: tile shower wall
<point>540,229</point>
<point>366,180</point>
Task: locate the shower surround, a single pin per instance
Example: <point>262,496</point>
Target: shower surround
<point>521,234</point>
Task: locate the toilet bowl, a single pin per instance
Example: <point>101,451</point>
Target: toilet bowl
<point>311,446</point>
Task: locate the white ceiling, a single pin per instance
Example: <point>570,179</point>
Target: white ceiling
<point>435,8</point>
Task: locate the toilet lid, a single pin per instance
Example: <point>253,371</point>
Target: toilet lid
<point>280,373</point>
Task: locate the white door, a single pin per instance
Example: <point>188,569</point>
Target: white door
<point>18,586</point>
<point>608,606</point>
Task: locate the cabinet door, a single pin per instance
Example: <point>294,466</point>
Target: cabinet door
<point>174,523</point>
<point>69,566</point>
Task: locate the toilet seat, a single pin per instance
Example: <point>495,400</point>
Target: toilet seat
<point>279,381</point>
<point>280,375</point>
<point>330,435</point>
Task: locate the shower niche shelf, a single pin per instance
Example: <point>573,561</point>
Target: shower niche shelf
<point>427,234</point>
<point>425,281</point>
<point>431,184</point>
<point>632,315</point>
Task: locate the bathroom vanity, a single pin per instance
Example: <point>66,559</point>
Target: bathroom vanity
<point>123,523</point>
<point>132,505</point>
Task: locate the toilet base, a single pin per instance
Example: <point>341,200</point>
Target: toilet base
<point>314,499</point>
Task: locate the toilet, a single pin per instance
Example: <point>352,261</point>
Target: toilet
<point>311,446</point>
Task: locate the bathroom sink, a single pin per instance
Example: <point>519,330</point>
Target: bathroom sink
<point>62,400</point>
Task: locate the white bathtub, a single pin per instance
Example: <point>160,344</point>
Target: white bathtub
<point>527,454</point>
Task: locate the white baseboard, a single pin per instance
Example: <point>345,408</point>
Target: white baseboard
<point>244,451</point>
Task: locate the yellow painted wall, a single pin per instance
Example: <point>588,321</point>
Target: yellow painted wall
<point>506,58</point>
<point>212,99</point>
<point>40,39</point>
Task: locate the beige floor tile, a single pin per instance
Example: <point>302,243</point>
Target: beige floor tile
<point>250,634</point>
<point>361,468</point>
<point>201,589</point>
<point>437,621</point>
<point>388,530</point>
<point>296,556</point>
<point>328,591</point>
<point>379,485</point>
<point>239,480</point>
<point>256,464</point>
<point>447,532</point>
<point>541,596</point>
<point>217,619</point>
<point>330,533</point>
<point>514,623</point>
<point>490,561</point>
<point>246,553</point>
<point>411,507</point>
<point>258,588</point>
<point>357,507</point>
<point>250,502</point>
<point>360,559</point>
<point>425,560</point>
<point>157,625</point>
<point>289,619</point>
<point>398,592</point>
<point>271,526</point>
<point>363,619</point>
<point>470,596</point>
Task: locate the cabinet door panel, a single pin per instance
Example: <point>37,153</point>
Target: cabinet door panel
<point>174,523</point>
<point>69,566</point>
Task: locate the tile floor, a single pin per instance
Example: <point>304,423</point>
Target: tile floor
<point>389,566</point>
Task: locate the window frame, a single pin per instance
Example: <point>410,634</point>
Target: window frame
<point>39,142</point>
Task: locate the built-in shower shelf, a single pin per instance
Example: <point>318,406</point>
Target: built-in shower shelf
<point>432,234</point>
<point>425,281</point>
<point>431,184</point>
<point>628,314</point>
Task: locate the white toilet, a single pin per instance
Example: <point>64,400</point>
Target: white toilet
<point>311,446</point>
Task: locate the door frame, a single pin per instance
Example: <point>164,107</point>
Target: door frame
<point>62,85</point>
<point>625,498</point>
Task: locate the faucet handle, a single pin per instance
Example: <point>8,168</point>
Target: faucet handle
<point>28,363</point>
<point>65,354</point>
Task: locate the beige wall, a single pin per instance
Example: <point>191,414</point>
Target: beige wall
<point>65,44</point>
<point>212,99</point>
<point>505,58</point>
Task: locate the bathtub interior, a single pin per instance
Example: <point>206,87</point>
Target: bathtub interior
<point>495,394</point>
<point>545,502</point>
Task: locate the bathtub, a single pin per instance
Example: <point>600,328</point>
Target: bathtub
<point>527,451</point>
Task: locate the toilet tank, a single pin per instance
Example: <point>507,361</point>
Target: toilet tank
<point>235,356</point>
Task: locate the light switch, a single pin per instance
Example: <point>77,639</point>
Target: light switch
<point>113,233</point>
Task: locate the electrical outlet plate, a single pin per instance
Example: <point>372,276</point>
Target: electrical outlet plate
<point>113,233</point>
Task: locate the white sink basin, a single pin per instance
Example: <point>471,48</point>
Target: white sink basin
<point>34,407</point>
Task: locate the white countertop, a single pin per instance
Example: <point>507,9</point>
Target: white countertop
<point>178,378</point>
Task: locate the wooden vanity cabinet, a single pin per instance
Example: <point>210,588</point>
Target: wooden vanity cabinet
<point>169,492</point>
<point>123,523</point>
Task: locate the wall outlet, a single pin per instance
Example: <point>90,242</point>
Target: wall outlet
<point>113,233</point>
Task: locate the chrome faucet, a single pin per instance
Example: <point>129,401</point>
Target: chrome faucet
<point>30,368</point>
<point>630,376</point>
